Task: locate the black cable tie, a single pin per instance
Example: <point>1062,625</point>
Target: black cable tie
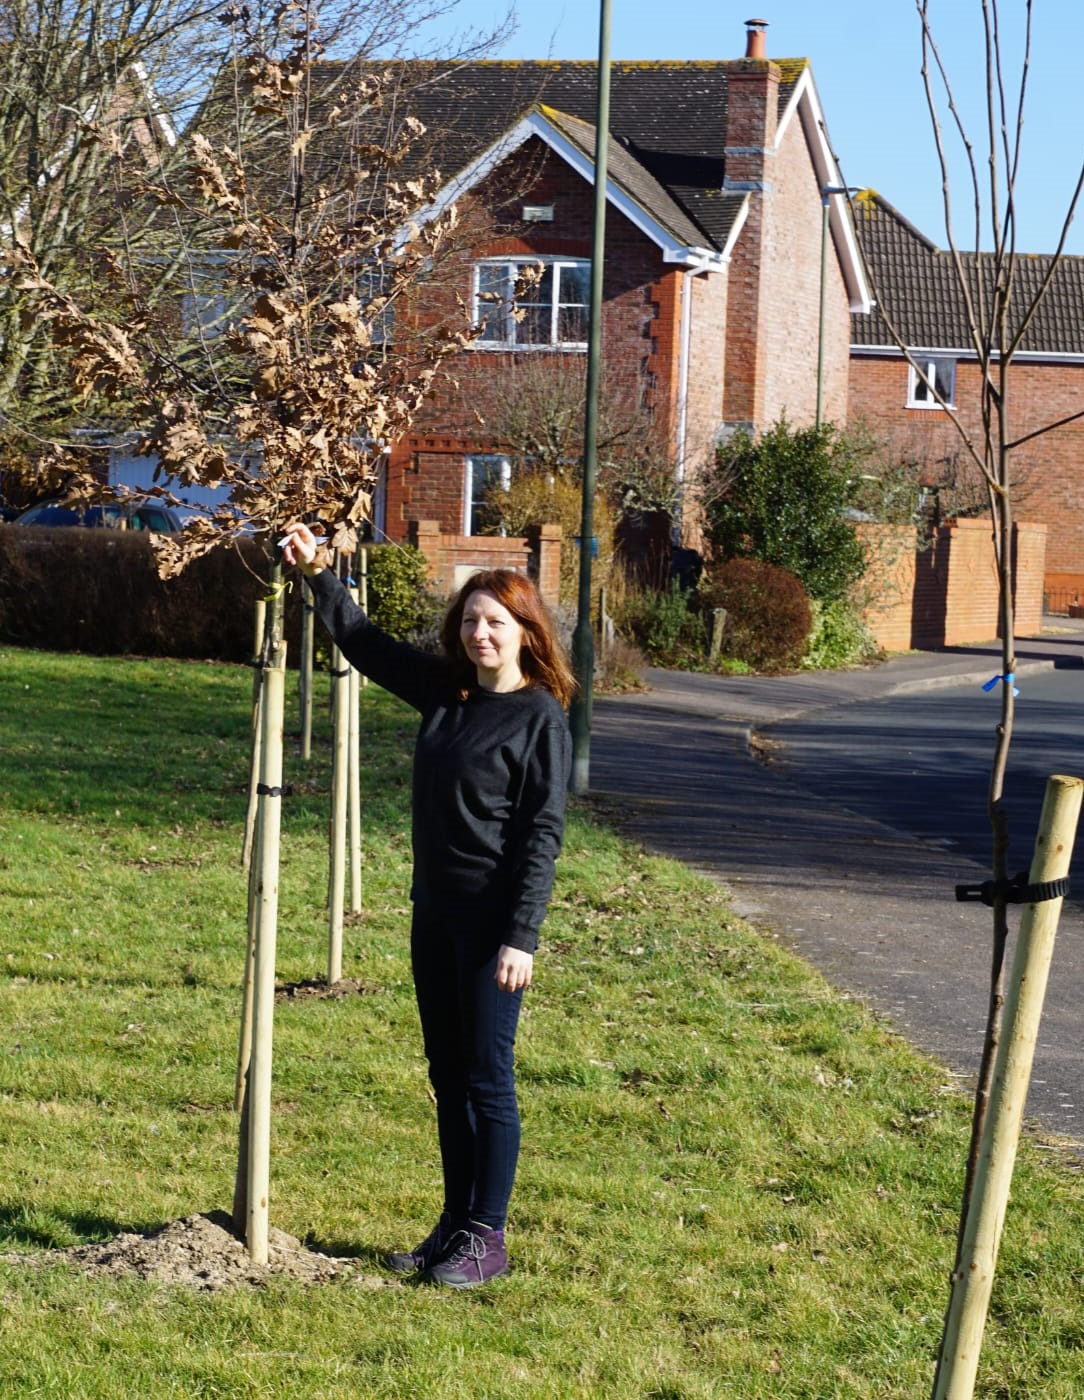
<point>336,675</point>
<point>264,791</point>
<point>1014,891</point>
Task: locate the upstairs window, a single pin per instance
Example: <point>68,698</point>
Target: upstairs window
<point>532,303</point>
<point>940,371</point>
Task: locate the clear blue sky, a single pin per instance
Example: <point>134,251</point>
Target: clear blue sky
<point>866,60</point>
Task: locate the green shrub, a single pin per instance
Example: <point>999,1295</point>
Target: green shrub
<point>784,499</point>
<point>399,597</point>
<point>769,615</point>
<point>839,638</point>
<point>663,626</point>
<point>538,498</point>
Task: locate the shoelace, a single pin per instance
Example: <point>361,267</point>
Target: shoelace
<point>473,1247</point>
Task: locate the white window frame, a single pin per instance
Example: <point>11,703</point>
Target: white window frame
<point>205,314</point>
<point>937,369</point>
<point>501,329</point>
<point>505,469</point>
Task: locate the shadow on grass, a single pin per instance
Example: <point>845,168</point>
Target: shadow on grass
<point>33,1225</point>
<point>348,1249</point>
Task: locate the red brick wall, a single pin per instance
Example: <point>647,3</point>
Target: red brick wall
<point>791,322</point>
<point>707,368</point>
<point>449,556</point>
<point>1048,482</point>
<point>947,595</point>
<point>426,481</point>
<point>1030,570</point>
<point>889,584</point>
<point>956,587</point>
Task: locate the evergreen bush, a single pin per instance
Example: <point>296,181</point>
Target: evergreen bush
<point>98,591</point>
<point>784,499</point>
<point>399,596</point>
<point>839,638</point>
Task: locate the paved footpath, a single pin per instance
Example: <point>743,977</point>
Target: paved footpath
<point>871,907</point>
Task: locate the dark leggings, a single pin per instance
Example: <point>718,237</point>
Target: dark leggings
<point>469,1032</point>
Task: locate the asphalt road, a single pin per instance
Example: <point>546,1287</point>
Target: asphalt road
<point>846,845</point>
<point>920,763</point>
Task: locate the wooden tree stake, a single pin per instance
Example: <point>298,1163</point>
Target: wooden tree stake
<point>340,682</point>
<point>973,1277</point>
<point>354,788</point>
<point>258,1096</point>
<point>257,734</point>
<point>305,672</point>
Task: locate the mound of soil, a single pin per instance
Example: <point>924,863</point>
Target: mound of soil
<point>202,1252</point>
<point>322,990</point>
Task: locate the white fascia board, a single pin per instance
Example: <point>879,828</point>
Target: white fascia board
<point>1029,357</point>
<point>536,124</point>
<point>805,103</point>
<point>168,130</point>
<point>696,259</point>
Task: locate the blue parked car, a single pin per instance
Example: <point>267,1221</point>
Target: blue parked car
<point>123,515</point>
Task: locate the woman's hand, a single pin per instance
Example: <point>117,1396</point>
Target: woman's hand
<point>299,548</point>
<point>514,968</point>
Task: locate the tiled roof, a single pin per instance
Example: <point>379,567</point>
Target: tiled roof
<point>915,282</point>
<point>633,178</point>
<point>667,120</point>
<point>670,117</point>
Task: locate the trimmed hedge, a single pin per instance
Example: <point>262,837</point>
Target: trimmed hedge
<point>97,591</point>
<point>769,616</point>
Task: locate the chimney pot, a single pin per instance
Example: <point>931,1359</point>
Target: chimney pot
<point>755,43</point>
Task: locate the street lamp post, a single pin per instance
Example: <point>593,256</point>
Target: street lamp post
<point>583,641</point>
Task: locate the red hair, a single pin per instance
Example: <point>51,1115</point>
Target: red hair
<point>542,657</point>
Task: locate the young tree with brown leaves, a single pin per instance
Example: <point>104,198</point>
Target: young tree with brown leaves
<point>999,307</point>
<point>265,337</point>
<point>93,98</point>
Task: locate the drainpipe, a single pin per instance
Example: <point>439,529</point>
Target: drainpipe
<point>682,442</point>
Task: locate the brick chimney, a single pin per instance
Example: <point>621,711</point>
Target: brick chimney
<point>752,113</point>
<point>752,117</point>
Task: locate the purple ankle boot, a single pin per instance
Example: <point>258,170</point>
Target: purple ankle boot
<point>473,1255</point>
<point>418,1259</point>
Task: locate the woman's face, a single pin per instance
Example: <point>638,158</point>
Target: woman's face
<point>492,639</point>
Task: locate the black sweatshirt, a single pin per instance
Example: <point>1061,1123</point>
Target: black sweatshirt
<point>490,774</point>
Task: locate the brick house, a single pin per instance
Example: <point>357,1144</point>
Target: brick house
<point>916,285</point>
<point>729,279</point>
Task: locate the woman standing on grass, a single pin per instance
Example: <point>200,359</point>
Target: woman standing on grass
<point>491,766</point>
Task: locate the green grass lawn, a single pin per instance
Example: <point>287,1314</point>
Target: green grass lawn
<point>735,1182</point>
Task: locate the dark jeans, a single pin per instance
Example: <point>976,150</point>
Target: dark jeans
<point>469,1031</point>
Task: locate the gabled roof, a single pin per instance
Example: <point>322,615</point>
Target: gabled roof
<point>916,283</point>
<point>634,179</point>
<point>666,157</point>
<point>668,126</point>
<point>669,118</point>
<point>644,201</point>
